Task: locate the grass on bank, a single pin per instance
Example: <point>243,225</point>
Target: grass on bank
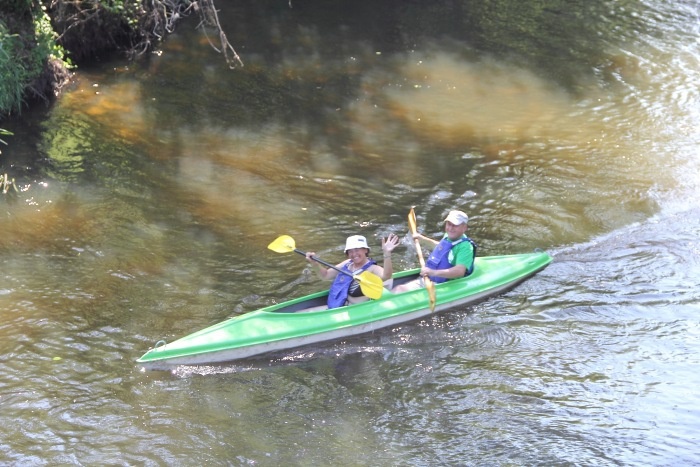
<point>13,74</point>
<point>27,45</point>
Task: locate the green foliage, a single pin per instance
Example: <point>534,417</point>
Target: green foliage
<point>4,132</point>
<point>14,75</point>
<point>93,29</point>
<point>46,45</point>
<point>17,6</point>
<point>6,184</point>
<point>129,10</point>
<point>25,51</point>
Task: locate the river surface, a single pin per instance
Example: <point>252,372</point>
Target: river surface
<point>150,191</point>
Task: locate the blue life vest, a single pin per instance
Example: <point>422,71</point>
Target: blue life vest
<point>439,257</point>
<point>338,293</point>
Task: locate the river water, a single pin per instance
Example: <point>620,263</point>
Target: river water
<point>150,191</point>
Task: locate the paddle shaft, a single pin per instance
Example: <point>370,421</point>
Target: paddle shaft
<point>318,260</point>
<point>419,251</point>
<point>429,286</point>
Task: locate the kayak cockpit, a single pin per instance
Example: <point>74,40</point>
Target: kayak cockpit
<point>317,302</point>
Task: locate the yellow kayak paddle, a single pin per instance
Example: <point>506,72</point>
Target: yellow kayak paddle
<point>370,284</point>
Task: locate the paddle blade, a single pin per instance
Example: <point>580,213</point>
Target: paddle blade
<point>371,285</point>
<point>430,287</point>
<point>283,244</point>
<point>412,221</point>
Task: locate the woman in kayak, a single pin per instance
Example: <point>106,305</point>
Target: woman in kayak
<point>345,290</point>
<point>452,257</point>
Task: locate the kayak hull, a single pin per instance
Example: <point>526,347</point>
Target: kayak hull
<point>286,325</point>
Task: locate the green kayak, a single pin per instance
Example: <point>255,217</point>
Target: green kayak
<point>285,325</point>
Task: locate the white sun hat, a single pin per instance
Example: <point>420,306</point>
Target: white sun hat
<point>457,217</point>
<point>356,241</point>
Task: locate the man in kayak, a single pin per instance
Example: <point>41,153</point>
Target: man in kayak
<point>344,290</point>
<point>452,257</point>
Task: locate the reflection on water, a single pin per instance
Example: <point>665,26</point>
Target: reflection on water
<point>160,186</point>
<point>478,104</point>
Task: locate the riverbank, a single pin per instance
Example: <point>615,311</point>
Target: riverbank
<point>41,43</point>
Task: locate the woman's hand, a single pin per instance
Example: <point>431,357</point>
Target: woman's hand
<point>388,244</point>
